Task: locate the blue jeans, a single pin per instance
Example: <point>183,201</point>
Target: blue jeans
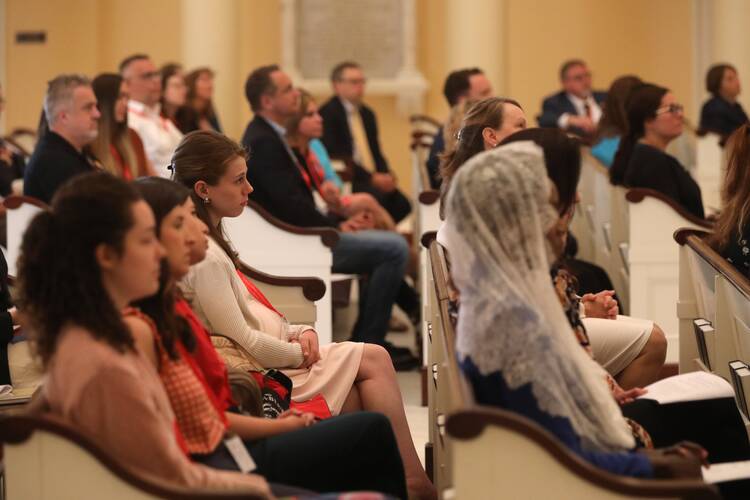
<point>383,256</point>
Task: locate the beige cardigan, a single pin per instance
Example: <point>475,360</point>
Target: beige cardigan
<point>118,400</point>
<point>220,299</point>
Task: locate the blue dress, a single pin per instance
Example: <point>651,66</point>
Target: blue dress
<point>329,174</point>
<point>491,390</point>
<point>605,150</point>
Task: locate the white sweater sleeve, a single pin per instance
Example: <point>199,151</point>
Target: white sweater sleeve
<point>212,285</point>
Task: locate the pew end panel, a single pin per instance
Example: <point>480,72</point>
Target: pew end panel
<point>20,211</point>
<point>281,249</point>
<point>47,459</point>
<point>653,259</point>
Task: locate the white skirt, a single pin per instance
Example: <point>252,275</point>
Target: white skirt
<point>617,342</point>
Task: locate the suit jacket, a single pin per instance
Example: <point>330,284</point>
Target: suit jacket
<point>554,106</point>
<point>433,160</point>
<point>278,183</point>
<point>337,137</point>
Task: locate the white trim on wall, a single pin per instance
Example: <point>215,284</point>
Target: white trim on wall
<point>409,85</point>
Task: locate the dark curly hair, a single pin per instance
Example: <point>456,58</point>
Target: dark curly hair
<point>59,278</point>
<point>163,196</point>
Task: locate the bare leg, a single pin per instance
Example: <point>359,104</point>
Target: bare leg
<point>376,389</point>
<point>644,369</point>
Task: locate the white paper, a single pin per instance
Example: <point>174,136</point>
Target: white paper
<point>729,471</point>
<point>693,386</point>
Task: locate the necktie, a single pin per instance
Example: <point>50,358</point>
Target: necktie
<point>359,138</point>
<point>587,109</point>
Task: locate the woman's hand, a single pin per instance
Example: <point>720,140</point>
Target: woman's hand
<point>624,397</point>
<point>310,348</point>
<point>295,419</point>
<point>682,460</point>
<point>600,305</point>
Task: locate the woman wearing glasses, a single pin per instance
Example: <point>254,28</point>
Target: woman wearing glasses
<point>654,120</point>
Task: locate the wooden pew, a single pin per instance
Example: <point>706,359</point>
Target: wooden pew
<point>424,124</point>
<point>47,459</point>
<point>651,259</point>
<point>278,248</point>
<point>294,296</point>
<point>486,452</point>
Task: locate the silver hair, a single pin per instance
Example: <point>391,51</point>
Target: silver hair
<point>60,93</point>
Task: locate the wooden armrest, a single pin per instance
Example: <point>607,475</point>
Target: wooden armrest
<point>420,142</point>
<point>312,288</point>
<point>17,430</point>
<point>13,142</point>
<point>14,201</point>
<point>429,196</point>
<point>328,236</point>
<point>427,238</point>
<point>418,135</point>
<point>637,195</point>
<point>694,239</point>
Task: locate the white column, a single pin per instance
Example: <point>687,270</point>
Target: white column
<point>210,37</point>
<point>474,37</point>
<point>726,33</point>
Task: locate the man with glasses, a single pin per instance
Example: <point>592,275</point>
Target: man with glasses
<point>159,135</point>
<point>350,131</point>
<point>576,108</point>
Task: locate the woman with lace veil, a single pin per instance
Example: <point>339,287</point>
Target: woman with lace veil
<point>514,343</point>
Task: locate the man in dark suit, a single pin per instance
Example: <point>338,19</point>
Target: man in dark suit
<point>73,118</point>
<point>350,131</point>
<point>460,85</point>
<point>279,186</point>
<point>576,108</point>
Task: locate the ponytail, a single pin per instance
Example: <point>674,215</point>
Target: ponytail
<point>622,159</point>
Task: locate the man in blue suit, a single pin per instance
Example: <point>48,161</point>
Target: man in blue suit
<point>576,108</point>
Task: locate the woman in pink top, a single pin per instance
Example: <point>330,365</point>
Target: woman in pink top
<point>82,263</point>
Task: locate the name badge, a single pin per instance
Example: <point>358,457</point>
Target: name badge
<point>240,454</point>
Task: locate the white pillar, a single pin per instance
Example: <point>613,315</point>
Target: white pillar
<point>474,37</point>
<point>210,37</point>
<point>730,40</point>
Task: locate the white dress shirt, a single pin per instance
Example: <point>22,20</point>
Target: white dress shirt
<point>580,105</point>
<point>159,135</point>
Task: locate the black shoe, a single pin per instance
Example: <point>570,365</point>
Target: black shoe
<point>394,350</point>
<point>405,362</point>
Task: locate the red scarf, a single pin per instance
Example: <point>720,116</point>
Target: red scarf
<point>256,293</point>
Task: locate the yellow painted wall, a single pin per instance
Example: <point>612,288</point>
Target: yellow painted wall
<point>650,38</point>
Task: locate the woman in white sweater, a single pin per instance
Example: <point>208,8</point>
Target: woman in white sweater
<point>350,376</point>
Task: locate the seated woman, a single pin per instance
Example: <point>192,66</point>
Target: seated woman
<point>302,129</point>
<point>198,112</point>
<point>118,147</point>
<point>359,446</point>
<point>631,349</point>
<point>173,91</point>
<point>654,120</point>
<point>350,376</point>
<point>513,340</point>
<point>83,263</point>
<point>732,230</point>
<point>613,124</point>
<point>486,125</point>
<point>722,114</point>
<point>664,425</point>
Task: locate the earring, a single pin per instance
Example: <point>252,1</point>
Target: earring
<point>206,200</point>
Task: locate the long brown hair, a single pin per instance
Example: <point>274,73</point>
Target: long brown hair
<point>614,120</point>
<point>735,193</point>
<point>642,103</point>
<point>111,132</point>
<point>207,111</point>
<point>204,155</point>
<point>60,280</point>
<point>292,124</point>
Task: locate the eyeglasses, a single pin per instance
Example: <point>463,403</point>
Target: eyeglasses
<point>580,77</point>
<point>150,75</point>
<point>354,81</point>
<point>675,109</point>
